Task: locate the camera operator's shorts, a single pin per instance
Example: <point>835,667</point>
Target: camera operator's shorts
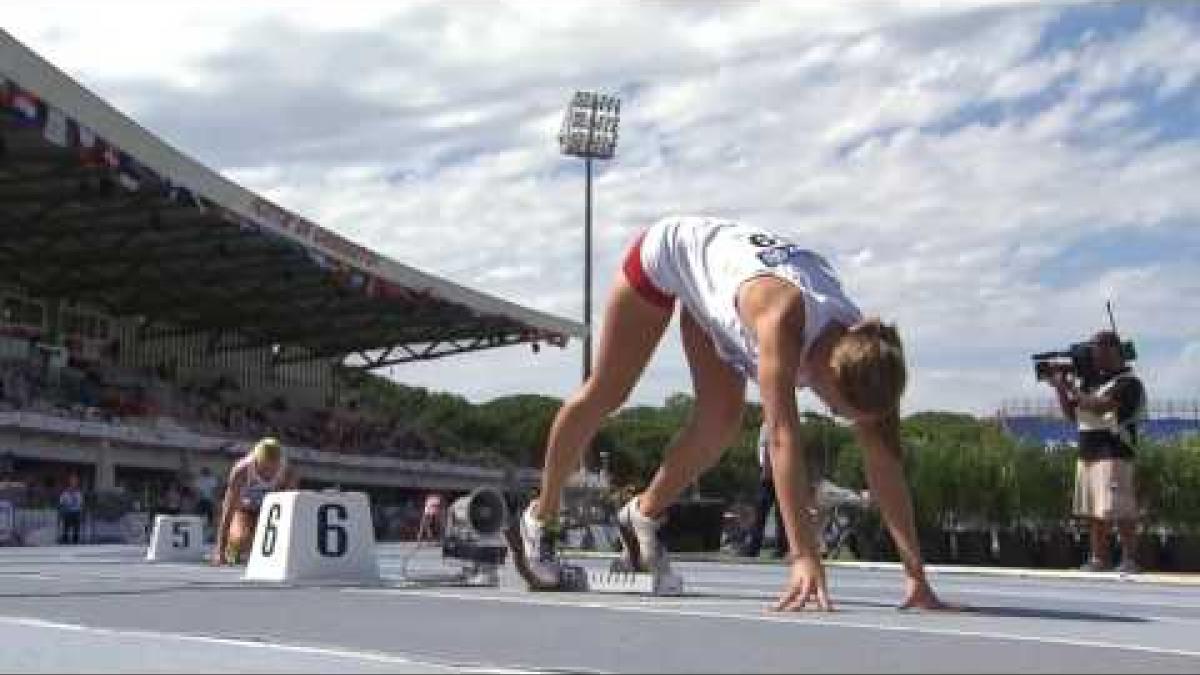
<point>1104,489</point>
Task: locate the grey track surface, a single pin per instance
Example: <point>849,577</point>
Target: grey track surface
<point>102,609</point>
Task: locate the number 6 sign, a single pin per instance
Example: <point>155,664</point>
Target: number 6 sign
<point>304,535</point>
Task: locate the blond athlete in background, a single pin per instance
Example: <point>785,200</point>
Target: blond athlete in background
<point>262,471</point>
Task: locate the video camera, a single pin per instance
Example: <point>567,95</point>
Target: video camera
<point>474,534</point>
<point>1077,361</point>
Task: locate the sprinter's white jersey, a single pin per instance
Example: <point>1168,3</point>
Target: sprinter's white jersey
<point>257,487</point>
<point>703,262</point>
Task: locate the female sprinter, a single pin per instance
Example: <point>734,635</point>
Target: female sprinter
<point>755,306</point>
<point>263,470</point>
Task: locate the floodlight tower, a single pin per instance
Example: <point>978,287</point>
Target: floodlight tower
<point>589,130</point>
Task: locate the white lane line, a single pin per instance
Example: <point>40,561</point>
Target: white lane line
<point>876,602</point>
<point>373,657</point>
<point>1034,593</point>
<point>161,575</point>
<point>1165,579</point>
<point>1031,573</point>
<point>768,599</point>
<point>793,618</point>
<point>1037,594</point>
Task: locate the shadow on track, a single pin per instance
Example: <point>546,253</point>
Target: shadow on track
<point>1044,613</point>
<point>980,610</point>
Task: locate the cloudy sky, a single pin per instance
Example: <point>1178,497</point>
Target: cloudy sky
<point>986,175</point>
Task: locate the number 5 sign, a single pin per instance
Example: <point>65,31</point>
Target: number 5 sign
<point>177,539</point>
<point>304,535</point>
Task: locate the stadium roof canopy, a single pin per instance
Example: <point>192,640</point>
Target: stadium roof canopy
<point>95,208</point>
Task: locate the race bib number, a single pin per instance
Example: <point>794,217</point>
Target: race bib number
<point>775,251</point>
<point>774,257</point>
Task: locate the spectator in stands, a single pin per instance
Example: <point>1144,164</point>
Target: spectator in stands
<point>70,511</point>
<point>1106,414</point>
<point>12,491</point>
<point>172,501</point>
<point>431,517</point>
<point>262,471</point>
<point>206,485</point>
<point>8,464</point>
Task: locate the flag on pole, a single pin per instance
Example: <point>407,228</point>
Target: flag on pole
<point>130,173</point>
<point>111,157</point>
<point>26,107</point>
<point>126,174</point>
<point>55,130</point>
<point>177,193</point>
<point>318,258</point>
<point>91,148</point>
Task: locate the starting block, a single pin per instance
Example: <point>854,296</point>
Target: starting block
<point>177,539</point>
<point>618,578</point>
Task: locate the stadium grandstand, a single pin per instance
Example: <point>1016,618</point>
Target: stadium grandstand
<point>1041,422</point>
<point>156,318</point>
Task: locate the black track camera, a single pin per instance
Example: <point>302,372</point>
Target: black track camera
<point>1076,361</point>
<point>475,527</point>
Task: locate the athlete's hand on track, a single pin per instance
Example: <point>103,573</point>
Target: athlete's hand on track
<point>807,582</point>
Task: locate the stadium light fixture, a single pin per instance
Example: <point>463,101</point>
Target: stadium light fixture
<point>589,130</point>
<point>590,126</point>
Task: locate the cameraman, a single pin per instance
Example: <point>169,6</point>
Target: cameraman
<point>766,500</point>
<point>1106,412</point>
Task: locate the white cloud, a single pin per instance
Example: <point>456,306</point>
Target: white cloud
<point>1165,52</point>
<point>427,131</point>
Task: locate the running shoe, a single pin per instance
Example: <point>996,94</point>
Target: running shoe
<point>644,551</point>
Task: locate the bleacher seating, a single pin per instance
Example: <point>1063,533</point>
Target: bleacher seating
<point>1044,430</point>
<point>122,398</point>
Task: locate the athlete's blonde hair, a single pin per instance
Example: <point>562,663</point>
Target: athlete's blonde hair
<point>868,366</point>
<point>268,449</point>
